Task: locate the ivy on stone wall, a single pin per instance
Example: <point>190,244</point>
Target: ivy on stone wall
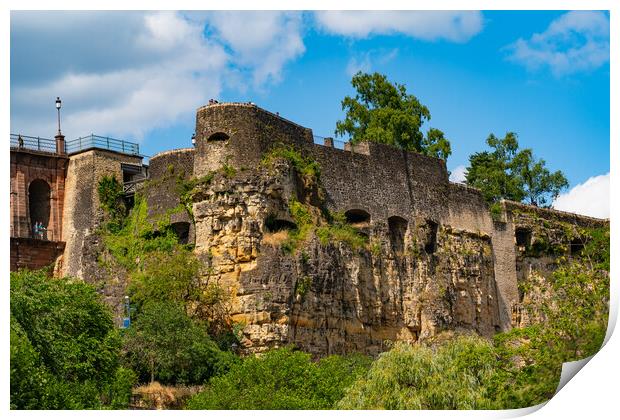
<point>110,192</point>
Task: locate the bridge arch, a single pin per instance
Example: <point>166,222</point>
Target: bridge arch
<point>39,205</point>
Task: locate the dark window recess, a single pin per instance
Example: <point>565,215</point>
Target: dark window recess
<point>218,137</point>
<point>357,217</point>
<point>523,237</point>
<point>39,206</point>
<point>181,230</point>
<point>576,246</point>
<point>273,224</point>
<point>430,245</point>
<point>398,228</point>
<point>133,172</point>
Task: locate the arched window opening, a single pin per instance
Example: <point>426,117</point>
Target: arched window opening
<point>219,136</point>
<point>277,230</point>
<point>39,206</point>
<point>576,246</point>
<point>358,218</point>
<point>430,244</point>
<point>523,237</point>
<point>398,227</point>
<point>273,224</point>
<point>181,230</point>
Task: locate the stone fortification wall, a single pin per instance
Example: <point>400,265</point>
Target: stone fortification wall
<point>82,212</point>
<point>331,298</point>
<point>384,181</point>
<point>166,170</point>
<point>239,134</point>
<point>377,178</point>
<point>434,258</point>
<point>542,239</point>
<point>468,210</point>
<point>178,161</point>
<point>533,212</point>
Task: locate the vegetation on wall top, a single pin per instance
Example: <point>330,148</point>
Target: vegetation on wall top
<point>512,174</point>
<point>383,112</point>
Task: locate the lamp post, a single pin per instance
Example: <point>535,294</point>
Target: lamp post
<point>194,139</point>
<point>60,139</point>
<point>58,105</point>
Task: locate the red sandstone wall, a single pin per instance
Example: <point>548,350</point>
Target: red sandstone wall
<point>34,254</point>
<point>27,166</point>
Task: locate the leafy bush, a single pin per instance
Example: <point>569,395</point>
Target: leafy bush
<point>452,376</point>
<point>111,195</point>
<point>166,276</point>
<point>138,237</point>
<point>339,230</point>
<point>281,379</point>
<point>164,344</point>
<point>64,348</point>
<point>308,168</point>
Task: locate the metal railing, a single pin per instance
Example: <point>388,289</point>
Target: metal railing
<point>19,141</point>
<point>329,142</point>
<point>107,143</point>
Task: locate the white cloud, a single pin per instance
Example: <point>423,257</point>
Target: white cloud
<point>174,70</point>
<point>126,73</point>
<point>457,26</point>
<point>365,61</point>
<point>458,174</point>
<point>356,64</point>
<point>590,198</point>
<point>263,41</point>
<point>576,41</point>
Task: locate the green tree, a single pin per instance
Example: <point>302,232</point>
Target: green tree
<point>164,344</point>
<point>64,348</point>
<point>166,276</point>
<point>575,310</point>
<point>572,325</point>
<point>384,112</point>
<point>512,174</point>
<point>28,375</point>
<point>453,375</point>
<point>281,379</point>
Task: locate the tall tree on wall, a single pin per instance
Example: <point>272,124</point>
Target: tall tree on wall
<point>384,112</point>
<point>509,173</point>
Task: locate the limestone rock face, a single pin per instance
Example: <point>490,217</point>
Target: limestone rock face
<point>331,298</point>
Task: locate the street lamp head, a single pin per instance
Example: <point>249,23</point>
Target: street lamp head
<point>193,138</point>
<point>58,102</point>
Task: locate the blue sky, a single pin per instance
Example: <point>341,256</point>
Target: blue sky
<point>141,75</point>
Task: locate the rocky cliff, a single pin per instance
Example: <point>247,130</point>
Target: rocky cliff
<point>329,295</point>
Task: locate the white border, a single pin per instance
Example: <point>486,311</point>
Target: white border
<point>593,393</point>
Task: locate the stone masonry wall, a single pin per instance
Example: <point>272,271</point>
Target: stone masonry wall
<point>165,171</point>
<point>83,214</point>
<point>547,237</point>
